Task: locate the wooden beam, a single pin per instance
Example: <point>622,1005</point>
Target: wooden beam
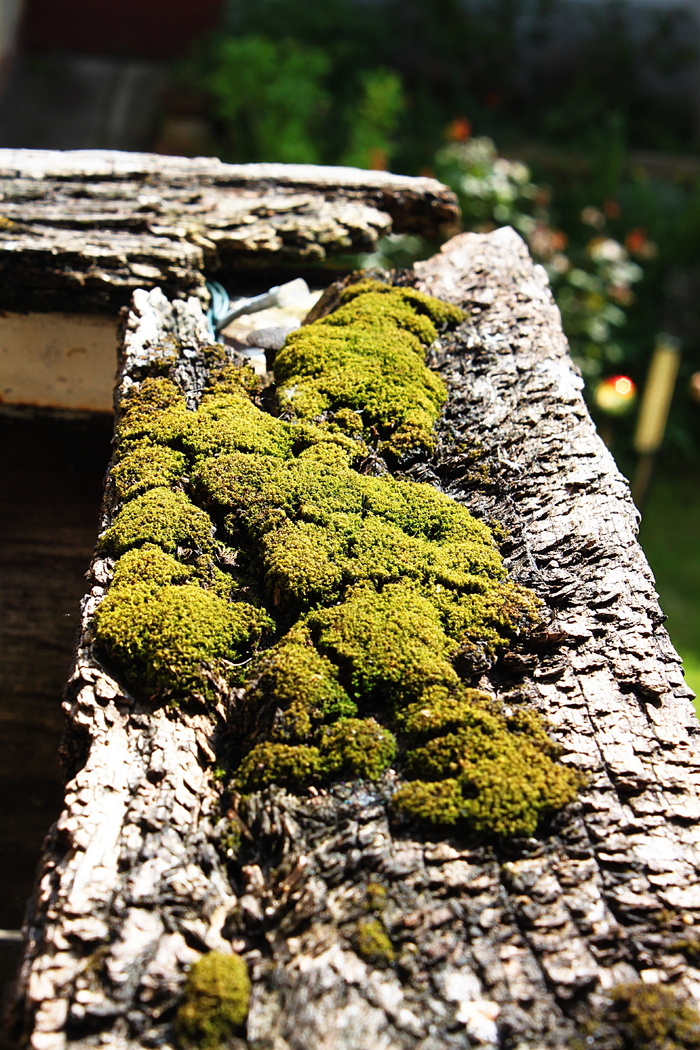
<point>81,230</point>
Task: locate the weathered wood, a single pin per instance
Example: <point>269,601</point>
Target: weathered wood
<point>506,946</point>
<point>81,230</point>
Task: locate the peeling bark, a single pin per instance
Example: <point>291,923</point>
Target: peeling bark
<point>82,230</point>
<point>510,945</point>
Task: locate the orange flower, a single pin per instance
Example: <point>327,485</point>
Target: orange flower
<point>458,130</point>
<point>636,240</point>
<point>615,396</point>
<point>611,209</point>
<point>639,245</point>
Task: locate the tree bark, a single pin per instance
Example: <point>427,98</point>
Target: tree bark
<point>82,230</point>
<point>510,945</point>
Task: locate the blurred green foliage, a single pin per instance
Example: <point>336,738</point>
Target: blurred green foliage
<point>590,271</point>
<point>504,63</point>
<point>270,96</point>
<point>401,84</point>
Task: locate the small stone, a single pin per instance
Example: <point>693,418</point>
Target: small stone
<point>272,338</point>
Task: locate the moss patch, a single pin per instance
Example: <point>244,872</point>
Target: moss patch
<point>215,1002</point>
<point>161,516</point>
<point>371,941</point>
<point>367,358</point>
<point>477,765</point>
<point>171,636</point>
<point>378,597</point>
<point>147,467</point>
<point>650,1017</point>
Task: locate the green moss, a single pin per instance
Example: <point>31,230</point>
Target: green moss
<point>387,594</point>
<point>293,691</point>
<point>653,1017</point>
<point>433,803</point>
<point>150,567</point>
<point>322,527</point>
<point>498,770</point>
<point>372,942</point>
<point>226,421</point>
<point>215,1002</point>
<point>146,467</point>
<point>230,422</point>
<point>367,359</point>
<point>161,516</point>
<point>688,946</point>
<point>389,644</point>
<point>442,709</point>
<point>377,895</point>
<point>227,378</point>
<point>292,766</point>
<point>172,637</point>
<point>357,747</point>
<point>440,312</point>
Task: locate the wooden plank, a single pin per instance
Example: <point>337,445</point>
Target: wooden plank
<point>79,231</point>
<point>65,361</point>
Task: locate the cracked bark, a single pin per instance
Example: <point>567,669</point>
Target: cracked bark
<point>509,946</point>
<point>82,230</point>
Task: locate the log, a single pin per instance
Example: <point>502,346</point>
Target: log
<point>81,230</point>
<point>513,943</point>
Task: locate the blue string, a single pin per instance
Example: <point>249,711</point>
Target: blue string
<point>218,307</point>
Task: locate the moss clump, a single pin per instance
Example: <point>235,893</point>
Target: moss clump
<point>293,691</point>
<point>215,1002</point>
<point>319,527</point>
<point>372,942</point>
<point>377,895</point>
<point>172,637</point>
<point>147,467</point>
<point>367,358</point>
<point>292,766</point>
<point>479,766</point>
<point>228,422</point>
<point>161,516</point>
<point>390,644</point>
<point>357,747</point>
<point>653,1017</point>
<point>354,747</point>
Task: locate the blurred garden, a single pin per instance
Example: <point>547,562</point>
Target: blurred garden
<point>590,149</point>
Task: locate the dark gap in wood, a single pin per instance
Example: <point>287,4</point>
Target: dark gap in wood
<point>51,472</point>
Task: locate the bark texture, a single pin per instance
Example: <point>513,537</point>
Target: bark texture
<point>81,230</point>
<point>509,946</point>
